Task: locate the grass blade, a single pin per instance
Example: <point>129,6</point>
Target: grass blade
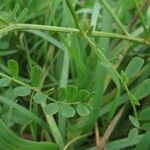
<point>6,141</point>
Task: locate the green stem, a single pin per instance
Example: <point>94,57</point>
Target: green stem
<point>106,5</point>
<point>76,139</point>
<point>98,51</point>
<point>103,58</point>
<point>34,89</point>
<point>128,93</point>
<point>76,19</point>
<point>119,36</point>
<point>12,27</point>
<point>140,14</point>
<point>50,119</point>
<point>62,122</point>
<point>53,127</point>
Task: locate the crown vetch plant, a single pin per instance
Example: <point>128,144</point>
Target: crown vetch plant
<point>74,74</point>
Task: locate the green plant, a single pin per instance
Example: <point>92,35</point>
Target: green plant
<point>74,76</point>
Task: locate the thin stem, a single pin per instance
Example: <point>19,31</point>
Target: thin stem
<point>76,139</point>
<point>140,14</point>
<point>37,27</point>
<point>34,89</point>
<point>12,27</point>
<point>119,36</point>
<point>103,58</point>
<point>50,119</point>
<point>128,93</point>
<point>76,19</point>
<point>106,5</point>
<point>101,55</point>
<point>62,121</point>
<point>53,127</point>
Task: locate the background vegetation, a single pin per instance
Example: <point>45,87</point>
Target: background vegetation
<point>74,74</point>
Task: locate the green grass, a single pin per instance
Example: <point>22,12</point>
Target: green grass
<point>74,74</point>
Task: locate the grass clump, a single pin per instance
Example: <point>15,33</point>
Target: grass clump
<point>74,74</point>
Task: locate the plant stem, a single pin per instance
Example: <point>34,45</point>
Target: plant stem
<point>140,14</point>
<point>62,122</point>
<point>76,139</point>
<point>98,51</point>
<point>106,5</point>
<point>119,36</point>
<point>33,88</point>
<point>50,119</point>
<point>12,27</point>
<point>54,129</point>
<point>76,19</point>
<point>102,58</point>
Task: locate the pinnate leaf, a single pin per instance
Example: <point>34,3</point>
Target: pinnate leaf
<point>82,110</point>
<point>145,114</point>
<point>39,98</point>
<point>62,93</point>
<point>36,76</point>
<point>13,68</point>
<point>124,77</point>
<point>4,82</point>
<point>22,91</point>
<point>134,121</point>
<point>72,93</point>
<point>134,66</point>
<point>143,89</point>
<point>66,110</point>
<point>83,95</point>
<point>134,100</point>
<point>148,16</point>
<point>51,109</point>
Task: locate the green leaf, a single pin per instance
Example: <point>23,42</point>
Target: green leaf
<point>95,14</point>
<point>144,142</point>
<point>49,92</point>
<point>106,65</point>
<point>39,98</point>
<point>143,89</point>
<point>36,76</point>
<point>72,93</point>
<point>134,100</point>
<point>145,126</point>
<point>66,110</point>
<point>133,133</point>
<point>51,109</point>
<point>8,52</point>
<point>124,77</point>
<point>4,45</point>
<point>6,142</point>
<point>148,16</point>
<point>134,66</point>
<point>134,121</point>
<point>83,95</point>
<point>1,109</point>
<point>82,110</point>
<point>114,77</point>
<point>22,91</point>
<point>145,114</point>
<point>4,82</point>
<point>24,111</point>
<point>13,68</point>
<point>62,93</point>
<point>89,106</point>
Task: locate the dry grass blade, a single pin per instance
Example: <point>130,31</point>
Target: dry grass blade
<point>97,136</point>
<point>135,17</point>
<point>110,129</point>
